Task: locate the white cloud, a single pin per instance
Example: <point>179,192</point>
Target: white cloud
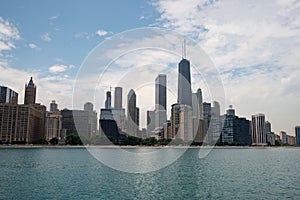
<point>58,68</point>
<point>53,17</point>
<point>8,34</point>
<point>32,46</point>
<point>255,45</point>
<point>101,33</point>
<point>142,17</point>
<point>46,37</point>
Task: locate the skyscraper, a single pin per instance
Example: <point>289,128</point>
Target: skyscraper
<point>297,134</point>
<point>184,83</point>
<point>30,93</point>
<point>118,98</point>
<point>108,100</point>
<point>160,100</point>
<point>7,95</point>
<point>283,137</point>
<point>207,118</point>
<point>197,102</point>
<point>53,106</point>
<point>268,127</point>
<point>258,133</point>
<point>215,123</point>
<point>150,122</point>
<point>175,118</point>
<point>132,115</point>
<point>185,131</point>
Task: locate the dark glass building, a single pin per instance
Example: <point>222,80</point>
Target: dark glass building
<point>184,83</point>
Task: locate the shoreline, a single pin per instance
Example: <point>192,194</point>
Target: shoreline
<point>135,147</point>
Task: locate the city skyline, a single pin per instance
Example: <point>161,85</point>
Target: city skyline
<point>258,76</point>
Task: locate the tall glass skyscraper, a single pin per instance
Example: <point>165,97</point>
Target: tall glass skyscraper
<point>184,83</point>
<point>132,114</point>
<point>160,100</point>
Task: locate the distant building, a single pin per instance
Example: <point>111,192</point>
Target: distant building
<point>184,83</point>
<point>30,93</point>
<point>53,106</point>
<point>160,100</point>
<point>197,102</point>
<point>118,98</point>
<point>258,133</point>
<point>215,124</point>
<point>297,134</point>
<point>21,123</point>
<point>207,120</point>
<point>283,137</point>
<point>150,122</point>
<point>271,138</point>
<point>291,140</point>
<point>168,130</point>
<point>175,119</point>
<point>132,114</point>
<point>268,128</point>
<point>53,125</point>
<point>185,131</point>
<point>108,100</point>
<point>8,96</point>
<point>235,130</point>
<point>79,122</point>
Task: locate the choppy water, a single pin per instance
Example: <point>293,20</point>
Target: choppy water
<point>269,173</point>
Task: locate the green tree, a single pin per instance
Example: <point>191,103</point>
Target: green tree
<point>54,141</point>
<point>73,140</point>
<point>40,141</point>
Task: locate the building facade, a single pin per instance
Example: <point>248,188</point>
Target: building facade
<point>184,83</point>
<point>132,114</point>
<point>283,137</point>
<point>118,98</point>
<point>8,96</point>
<point>258,133</point>
<point>160,100</point>
<point>297,134</point>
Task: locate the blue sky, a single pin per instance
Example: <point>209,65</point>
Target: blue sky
<point>65,31</point>
<point>255,46</point>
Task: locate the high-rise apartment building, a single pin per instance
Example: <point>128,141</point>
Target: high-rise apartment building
<point>258,133</point>
<point>235,130</point>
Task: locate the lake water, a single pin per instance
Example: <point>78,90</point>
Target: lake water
<point>270,173</point>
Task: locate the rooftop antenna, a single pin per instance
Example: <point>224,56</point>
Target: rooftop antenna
<point>184,49</point>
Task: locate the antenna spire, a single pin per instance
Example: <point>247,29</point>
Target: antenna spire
<point>184,49</point>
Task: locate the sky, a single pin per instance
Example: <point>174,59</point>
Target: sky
<point>254,46</point>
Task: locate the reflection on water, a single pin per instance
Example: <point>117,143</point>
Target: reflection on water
<point>223,174</point>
